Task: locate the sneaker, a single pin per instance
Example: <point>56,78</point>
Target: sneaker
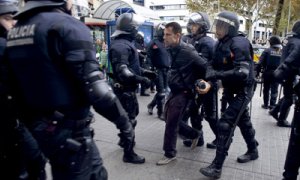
<point>150,109</point>
<point>194,143</point>
<point>165,160</point>
<point>188,142</point>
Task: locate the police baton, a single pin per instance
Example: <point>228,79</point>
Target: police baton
<point>238,117</point>
<point>280,90</point>
<point>261,86</point>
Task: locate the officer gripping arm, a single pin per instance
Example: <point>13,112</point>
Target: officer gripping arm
<point>240,72</point>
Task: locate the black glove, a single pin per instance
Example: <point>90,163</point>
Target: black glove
<point>144,80</point>
<point>149,74</point>
<point>212,75</point>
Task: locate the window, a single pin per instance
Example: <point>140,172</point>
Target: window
<point>241,22</point>
<point>261,25</point>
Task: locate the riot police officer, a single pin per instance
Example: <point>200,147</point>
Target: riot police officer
<point>268,62</point>
<point>140,46</point>
<point>187,37</point>
<point>233,65</point>
<point>53,59</point>
<point>125,65</point>
<point>20,156</point>
<point>287,71</point>
<point>160,60</point>
<point>204,45</point>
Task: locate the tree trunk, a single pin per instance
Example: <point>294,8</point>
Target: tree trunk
<point>278,17</point>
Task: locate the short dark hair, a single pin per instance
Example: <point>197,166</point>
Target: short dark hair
<point>176,28</point>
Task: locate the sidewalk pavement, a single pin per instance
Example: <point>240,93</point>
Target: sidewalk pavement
<point>273,142</point>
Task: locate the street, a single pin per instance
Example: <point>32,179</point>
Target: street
<point>273,142</point>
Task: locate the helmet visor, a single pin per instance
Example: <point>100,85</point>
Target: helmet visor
<point>195,18</point>
<point>137,21</point>
<point>8,7</point>
<point>221,27</point>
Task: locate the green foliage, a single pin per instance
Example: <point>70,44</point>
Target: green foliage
<point>266,10</point>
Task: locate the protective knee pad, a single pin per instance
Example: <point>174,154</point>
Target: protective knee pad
<point>224,127</point>
<point>224,140</point>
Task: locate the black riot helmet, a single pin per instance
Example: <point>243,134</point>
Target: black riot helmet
<point>8,7</point>
<point>139,38</point>
<point>127,23</point>
<point>296,28</point>
<point>159,31</point>
<point>202,19</point>
<point>36,4</point>
<point>226,24</point>
<point>275,41</point>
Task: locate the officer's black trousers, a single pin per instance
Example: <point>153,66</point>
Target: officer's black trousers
<point>270,91</point>
<point>129,102</point>
<point>292,161</point>
<point>237,104</point>
<point>161,86</point>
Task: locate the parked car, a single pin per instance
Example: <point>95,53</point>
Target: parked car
<point>258,50</point>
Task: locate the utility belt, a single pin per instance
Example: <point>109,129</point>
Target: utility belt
<point>57,118</point>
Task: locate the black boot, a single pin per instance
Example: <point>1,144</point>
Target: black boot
<point>214,170</point>
<point>132,157</point>
<point>161,117</point>
<point>212,145</point>
<point>248,156</point>
<point>283,123</point>
<point>150,109</point>
<point>264,106</point>
<point>274,113</point>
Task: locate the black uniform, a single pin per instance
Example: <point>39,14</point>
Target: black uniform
<point>269,61</point>
<point>58,78</point>
<point>140,46</point>
<point>123,55</point>
<point>287,72</point>
<point>20,156</point>
<point>233,64</point>
<point>160,60</point>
